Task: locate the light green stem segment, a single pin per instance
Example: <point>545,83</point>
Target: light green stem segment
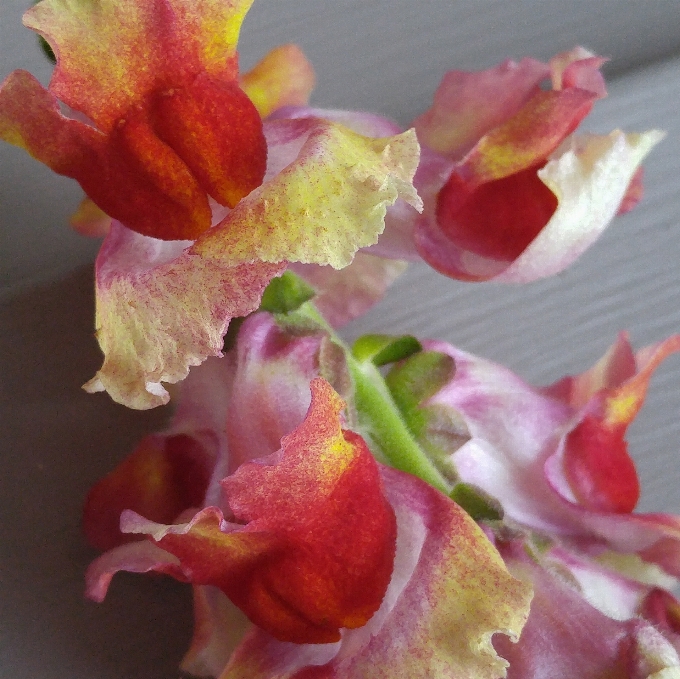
<point>380,416</point>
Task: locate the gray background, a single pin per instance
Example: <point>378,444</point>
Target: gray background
<point>385,56</point>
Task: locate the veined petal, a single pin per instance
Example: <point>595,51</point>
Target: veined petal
<point>449,594</point>
<point>324,206</point>
<point>112,53</point>
<point>283,78</point>
<point>161,308</point>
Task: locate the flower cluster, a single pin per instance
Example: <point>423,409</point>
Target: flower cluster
<point>399,507</point>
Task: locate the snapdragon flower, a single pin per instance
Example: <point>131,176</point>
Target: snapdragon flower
<point>313,505</point>
<point>547,471</point>
<point>208,203</point>
<point>512,191</point>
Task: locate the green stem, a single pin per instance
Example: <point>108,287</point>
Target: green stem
<point>380,415</point>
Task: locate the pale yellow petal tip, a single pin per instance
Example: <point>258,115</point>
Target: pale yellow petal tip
<point>135,396</point>
<point>284,77</point>
<point>90,220</point>
<point>403,154</point>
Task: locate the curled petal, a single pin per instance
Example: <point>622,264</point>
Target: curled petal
<point>314,547</point>
<point>588,177</point>
<point>595,459</point>
<point>578,68</point>
<point>159,122</point>
<point>283,78</point>
<point>468,105</point>
<point>449,594</point>
<point>161,309</point>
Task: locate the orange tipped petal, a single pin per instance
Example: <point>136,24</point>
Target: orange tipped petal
<point>283,78</point>
<point>111,54</point>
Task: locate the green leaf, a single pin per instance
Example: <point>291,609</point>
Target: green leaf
<point>286,293</point>
<point>384,349</point>
<point>478,504</point>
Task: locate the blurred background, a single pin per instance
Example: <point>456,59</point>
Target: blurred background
<point>386,56</point>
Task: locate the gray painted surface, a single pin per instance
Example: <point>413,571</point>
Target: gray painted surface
<point>386,56</point>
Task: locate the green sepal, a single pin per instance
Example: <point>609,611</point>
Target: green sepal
<point>286,293</point>
<point>415,380</point>
<point>384,349</point>
<point>478,504</point>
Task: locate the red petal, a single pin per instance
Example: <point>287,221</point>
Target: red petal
<point>317,549</point>
<point>599,469</point>
<point>163,477</point>
<point>498,219</point>
<point>215,129</point>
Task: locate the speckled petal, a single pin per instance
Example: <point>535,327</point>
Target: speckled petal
<point>327,196</point>
<point>161,308</point>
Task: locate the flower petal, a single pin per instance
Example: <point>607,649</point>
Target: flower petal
<point>162,309</point>
<point>271,394</point>
<point>321,208</point>
<point>112,54</point>
<point>163,477</point>
<point>283,78</point>
<point>149,172</point>
<point>449,594</point>
<point>468,105</point>
<point>566,637</point>
<point>588,176</point>
<point>315,546</point>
